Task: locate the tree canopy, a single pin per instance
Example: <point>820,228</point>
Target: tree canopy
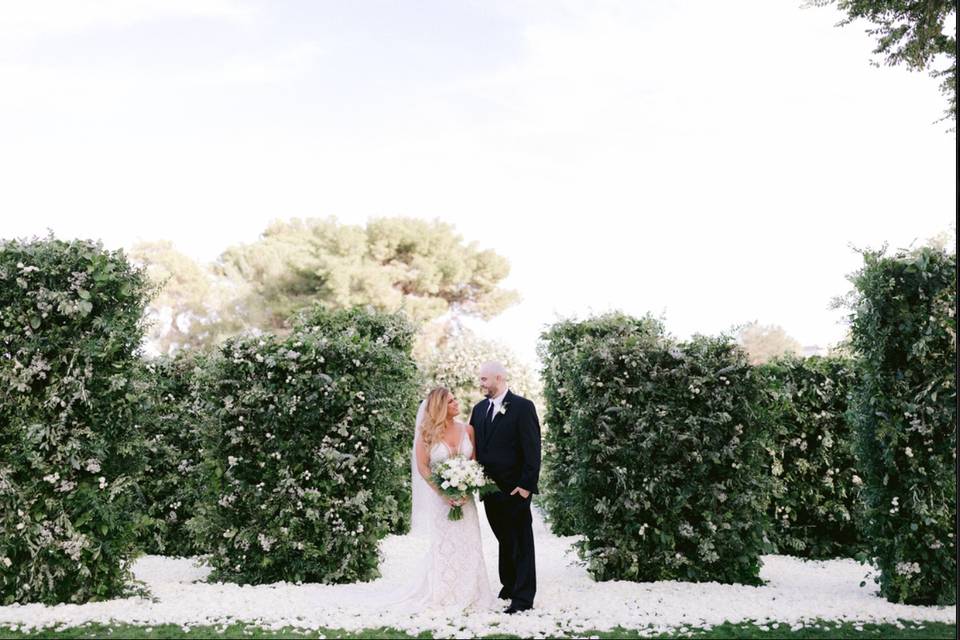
<point>423,268</point>
<point>765,342</point>
<point>911,33</point>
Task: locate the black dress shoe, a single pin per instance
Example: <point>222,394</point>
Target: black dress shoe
<point>512,609</point>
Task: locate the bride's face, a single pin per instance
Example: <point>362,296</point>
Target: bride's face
<point>453,407</point>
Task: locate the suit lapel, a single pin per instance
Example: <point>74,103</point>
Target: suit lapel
<point>481,427</point>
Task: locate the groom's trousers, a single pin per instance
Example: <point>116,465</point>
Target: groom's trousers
<point>512,524</point>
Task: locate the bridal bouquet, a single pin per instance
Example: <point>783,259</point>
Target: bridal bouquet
<point>458,477</point>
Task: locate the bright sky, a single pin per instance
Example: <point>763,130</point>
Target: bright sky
<point>709,161</point>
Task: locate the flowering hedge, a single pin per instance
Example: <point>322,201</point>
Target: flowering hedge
<point>392,336</point>
<point>905,416</point>
<point>671,456</point>
<point>816,502</point>
<point>559,348</point>
<point>308,449</point>
<point>173,479</point>
<point>70,326</point>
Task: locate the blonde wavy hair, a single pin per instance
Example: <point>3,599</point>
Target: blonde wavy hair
<point>435,416</point>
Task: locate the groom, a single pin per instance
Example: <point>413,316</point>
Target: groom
<point>508,447</point>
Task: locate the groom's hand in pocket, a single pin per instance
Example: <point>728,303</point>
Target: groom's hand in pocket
<point>523,492</point>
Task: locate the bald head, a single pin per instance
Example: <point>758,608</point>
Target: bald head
<point>493,379</point>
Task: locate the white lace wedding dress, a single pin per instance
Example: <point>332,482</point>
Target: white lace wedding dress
<point>453,575</point>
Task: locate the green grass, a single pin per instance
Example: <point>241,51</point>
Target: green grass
<point>819,629</point>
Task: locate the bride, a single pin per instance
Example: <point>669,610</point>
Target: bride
<point>453,573</point>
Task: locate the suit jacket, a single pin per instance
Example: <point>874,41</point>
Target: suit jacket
<point>509,447</point>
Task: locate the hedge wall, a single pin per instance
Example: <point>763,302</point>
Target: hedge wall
<point>670,453</point>
<point>816,502</point>
<point>307,447</point>
<point>559,348</point>
<point>903,328</point>
<point>70,327</point>
<point>173,480</point>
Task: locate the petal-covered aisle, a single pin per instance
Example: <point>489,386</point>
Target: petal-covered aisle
<point>567,599</point>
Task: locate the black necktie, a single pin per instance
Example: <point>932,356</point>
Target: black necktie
<point>490,413</point>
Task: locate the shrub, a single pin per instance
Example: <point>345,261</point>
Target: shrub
<point>559,348</point>
<point>70,325</point>
<point>309,439</point>
<point>670,456</point>
<point>903,327</point>
<point>816,501</point>
<point>172,483</point>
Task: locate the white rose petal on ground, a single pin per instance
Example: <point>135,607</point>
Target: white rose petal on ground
<point>568,601</point>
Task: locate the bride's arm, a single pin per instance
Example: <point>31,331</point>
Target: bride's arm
<point>423,465</point>
<point>473,441</point>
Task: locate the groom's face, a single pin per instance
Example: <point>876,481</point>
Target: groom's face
<point>490,384</point>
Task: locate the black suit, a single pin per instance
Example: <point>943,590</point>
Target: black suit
<point>508,447</point>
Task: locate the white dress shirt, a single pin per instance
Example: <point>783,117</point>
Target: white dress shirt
<point>497,403</point>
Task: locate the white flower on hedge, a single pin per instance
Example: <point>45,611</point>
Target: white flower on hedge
<point>909,452</point>
<point>93,466</point>
<point>52,478</point>
<point>6,561</point>
<point>856,480</point>
<point>103,482</point>
<point>20,526</point>
<point>265,542</point>
<point>907,568</point>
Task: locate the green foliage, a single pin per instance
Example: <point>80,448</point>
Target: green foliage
<point>394,333</point>
<point>172,483</point>
<point>816,502</point>
<point>559,349</point>
<point>70,325</point>
<point>903,327</point>
<point>670,449</point>
<point>392,264</point>
<point>307,449</point>
<point>911,33</point>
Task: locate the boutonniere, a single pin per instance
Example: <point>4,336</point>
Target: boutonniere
<point>503,409</point>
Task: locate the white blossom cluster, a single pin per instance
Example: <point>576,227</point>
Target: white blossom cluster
<point>459,473</point>
<point>907,568</point>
